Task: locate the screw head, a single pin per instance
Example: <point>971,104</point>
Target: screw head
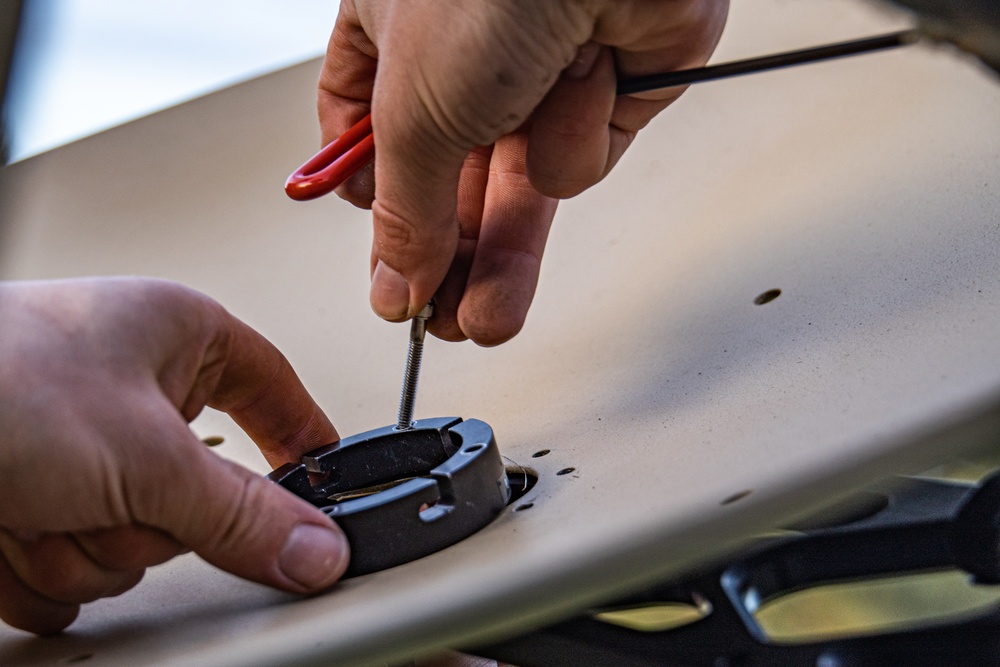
<point>426,312</point>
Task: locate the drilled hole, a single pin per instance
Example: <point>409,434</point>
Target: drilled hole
<point>525,506</point>
<point>736,496</point>
<point>767,297</point>
<point>566,471</point>
<point>213,440</point>
<point>522,480</point>
<point>540,453</point>
<point>474,448</point>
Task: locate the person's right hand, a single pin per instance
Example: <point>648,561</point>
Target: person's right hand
<point>484,114</point>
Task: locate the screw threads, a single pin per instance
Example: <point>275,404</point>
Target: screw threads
<point>409,394</point>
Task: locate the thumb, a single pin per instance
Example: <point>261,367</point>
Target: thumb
<point>241,522</point>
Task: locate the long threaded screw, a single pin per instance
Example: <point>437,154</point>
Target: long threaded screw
<point>418,327</point>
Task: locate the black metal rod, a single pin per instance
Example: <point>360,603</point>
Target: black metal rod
<point>641,84</point>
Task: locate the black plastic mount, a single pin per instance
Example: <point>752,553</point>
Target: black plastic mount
<point>916,525</point>
<point>455,484</point>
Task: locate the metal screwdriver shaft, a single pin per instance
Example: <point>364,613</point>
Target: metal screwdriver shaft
<point>418,327</point>
<point>640,84</point>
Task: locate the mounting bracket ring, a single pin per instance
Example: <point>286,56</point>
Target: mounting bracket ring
<point>400,495</point>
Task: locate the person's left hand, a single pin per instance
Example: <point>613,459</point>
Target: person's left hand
<point>101,475</point>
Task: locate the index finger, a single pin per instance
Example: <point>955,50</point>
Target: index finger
<point>261,392</point>
<point>471,74</point>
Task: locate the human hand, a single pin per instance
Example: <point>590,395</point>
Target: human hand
<point>484,114</point>
<point>102,477</point>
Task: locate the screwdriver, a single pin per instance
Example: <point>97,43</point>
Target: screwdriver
<point>351,151</point>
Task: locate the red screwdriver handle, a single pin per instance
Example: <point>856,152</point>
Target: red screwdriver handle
<point>335,163</point>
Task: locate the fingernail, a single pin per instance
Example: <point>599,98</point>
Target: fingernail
<point>583,64</point>
<point>314,556</point>
<point>390,295</point>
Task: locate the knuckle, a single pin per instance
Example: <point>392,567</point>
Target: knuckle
<point>404,241</point>
<point>158,290</point>
<point>240,526</point>
<point>395,230</point>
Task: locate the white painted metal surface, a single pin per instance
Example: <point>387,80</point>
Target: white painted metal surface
<point>867,190</point>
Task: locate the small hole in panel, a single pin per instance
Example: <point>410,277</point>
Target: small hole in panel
<point>540,453</point>
<point>522,480</point>
<point>474,448</point>
<point>736,497</point>
<point>83,657</point>
<point>566,471</point>
<point>213,440</point>
<point>525,506</point>
<point>767,297</point>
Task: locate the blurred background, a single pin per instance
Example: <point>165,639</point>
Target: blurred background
<point>83,66</point>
